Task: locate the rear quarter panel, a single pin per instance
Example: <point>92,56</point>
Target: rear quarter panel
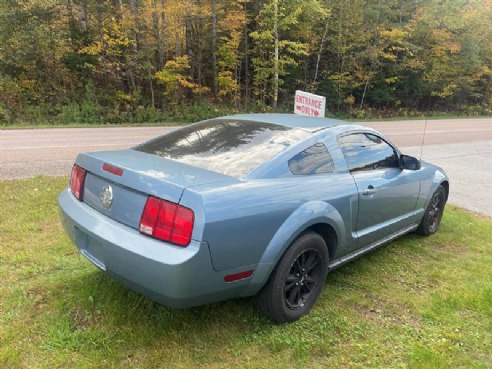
<point>254,221</point>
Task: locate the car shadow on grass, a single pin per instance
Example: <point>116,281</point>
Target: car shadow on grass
<point>94,311</point>
<point>99,288</point>
<point>93,301</point>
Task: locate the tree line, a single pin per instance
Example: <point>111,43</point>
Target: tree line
<point>152,60</point>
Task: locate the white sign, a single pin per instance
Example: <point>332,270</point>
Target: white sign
<point>309,104</point>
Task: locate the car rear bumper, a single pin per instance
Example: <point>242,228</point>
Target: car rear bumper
<point>172,275</point>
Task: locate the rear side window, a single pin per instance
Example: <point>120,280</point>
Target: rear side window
<point>314,160</point>
<point>227,146</point>
<point>365,151</point>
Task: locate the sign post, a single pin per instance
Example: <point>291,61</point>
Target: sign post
<point>309,104</point>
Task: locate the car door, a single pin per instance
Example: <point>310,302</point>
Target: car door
<point>387,194</point>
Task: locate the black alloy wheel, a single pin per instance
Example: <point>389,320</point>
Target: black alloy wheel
<point>303,276</point>
<point>435,211</point>
<point>296,281</point>
<point>433,214</point>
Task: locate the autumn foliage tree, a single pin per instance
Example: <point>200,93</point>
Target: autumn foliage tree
<point>152,60</point>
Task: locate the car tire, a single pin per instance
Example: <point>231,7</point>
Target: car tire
<point>433,214</point>
<point>297,280</point>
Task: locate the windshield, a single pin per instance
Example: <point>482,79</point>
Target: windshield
<point>228,146</point>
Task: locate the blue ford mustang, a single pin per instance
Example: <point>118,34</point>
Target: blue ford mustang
<point>257,205</point>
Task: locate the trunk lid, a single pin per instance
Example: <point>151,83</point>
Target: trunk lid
<point>143,175</point>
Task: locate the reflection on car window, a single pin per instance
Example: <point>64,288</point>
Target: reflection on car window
<point>365,151</point>
<point>228,146</point>
<point>314,160</point>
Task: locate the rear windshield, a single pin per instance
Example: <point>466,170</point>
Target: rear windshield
<point>231,147</point>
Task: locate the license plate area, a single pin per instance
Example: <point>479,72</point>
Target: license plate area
<point>91,248</point>
<point>126,205</point>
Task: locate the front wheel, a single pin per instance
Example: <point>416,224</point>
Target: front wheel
<point>433,214</point>
<point>297,281</point>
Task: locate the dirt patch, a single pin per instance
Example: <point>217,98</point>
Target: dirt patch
<point>381,313</point>
<point>39,298</point>
<point>84,318</point>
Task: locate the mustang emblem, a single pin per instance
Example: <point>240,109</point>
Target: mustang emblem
<point>106,196</point>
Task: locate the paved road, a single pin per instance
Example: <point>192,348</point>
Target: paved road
<point>462,146</point>
<point>468,166</point>
<point>26,153</point>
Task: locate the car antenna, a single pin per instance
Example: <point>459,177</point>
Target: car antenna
<point>425,128</point>
<point>423,139</point>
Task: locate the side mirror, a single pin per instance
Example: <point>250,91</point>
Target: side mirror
<point>409,162</point>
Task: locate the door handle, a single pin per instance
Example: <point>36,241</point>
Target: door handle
<point>370,190</point>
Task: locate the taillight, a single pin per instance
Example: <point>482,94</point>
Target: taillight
<point>77,181</point>
<point>167,221</point>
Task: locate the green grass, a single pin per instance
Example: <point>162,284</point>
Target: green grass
<point>415,303</point>
<point>92,114</point>
<point>188,121</point>
<point>420,117</point>
<point>87,125</point>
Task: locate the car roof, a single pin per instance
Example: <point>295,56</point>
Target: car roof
<point>310,124</point>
